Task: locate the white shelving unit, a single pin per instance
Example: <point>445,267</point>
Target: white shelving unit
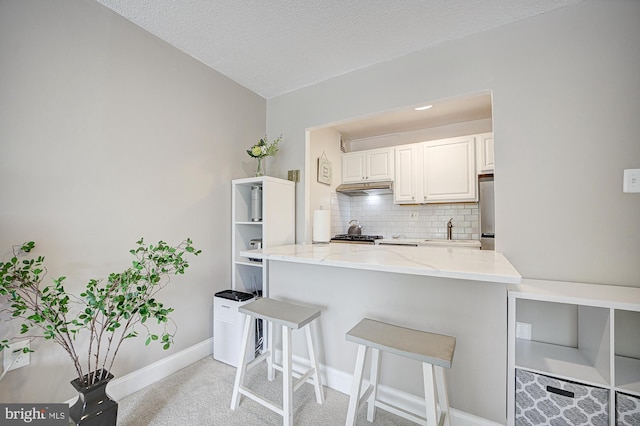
<point>276,228</point>
<point>583,333</point>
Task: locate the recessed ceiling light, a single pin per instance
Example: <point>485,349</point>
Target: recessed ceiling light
<point>422,108</point>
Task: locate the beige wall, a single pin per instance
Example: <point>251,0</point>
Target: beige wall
<point>322,141</point>
<point>566,98</point>
<point>108,134</point>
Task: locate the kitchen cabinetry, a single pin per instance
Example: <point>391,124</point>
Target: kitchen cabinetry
<point>436,171</point>
<point>484,150</point>
<point>368,166</point>
<point>406,189</point>
<point>582,334</point>
<point>449,172</point>
<point>276,228</point>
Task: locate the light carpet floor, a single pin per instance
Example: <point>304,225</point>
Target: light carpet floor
<point>200,395</point>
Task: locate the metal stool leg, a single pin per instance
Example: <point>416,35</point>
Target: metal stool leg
<point>356,386</point>
<point>429,393</point>
<point>242,365</point>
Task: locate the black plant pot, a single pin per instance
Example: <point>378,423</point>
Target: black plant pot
<point>94,407</point>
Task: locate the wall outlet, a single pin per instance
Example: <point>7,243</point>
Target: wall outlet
<point>14,357</point>
<point>413,215</point>
<point>523,330</point>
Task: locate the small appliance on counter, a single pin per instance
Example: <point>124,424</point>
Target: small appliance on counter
<point>255,244</point>
<point>355,228</point>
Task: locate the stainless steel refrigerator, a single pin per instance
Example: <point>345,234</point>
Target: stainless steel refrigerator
<point>487,212</point>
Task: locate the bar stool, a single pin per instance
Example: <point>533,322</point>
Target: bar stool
<point>290,317</point>
<point>435,351</point>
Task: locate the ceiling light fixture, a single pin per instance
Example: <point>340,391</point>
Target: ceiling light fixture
<point>422,108</point>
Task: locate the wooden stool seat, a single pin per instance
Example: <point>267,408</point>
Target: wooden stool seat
<point>289,317</point>
<point>281,313</point>
<point>434,351</point>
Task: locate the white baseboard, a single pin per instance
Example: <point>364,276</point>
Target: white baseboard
<point>123,386</point>
<point>335,379</point>
<point>341,381</point>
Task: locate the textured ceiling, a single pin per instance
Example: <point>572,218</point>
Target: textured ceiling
<point>276,46</point>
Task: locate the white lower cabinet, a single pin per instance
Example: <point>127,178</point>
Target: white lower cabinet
<point>573,353</point>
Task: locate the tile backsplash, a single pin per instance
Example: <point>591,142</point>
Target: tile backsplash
<point>378,215</point>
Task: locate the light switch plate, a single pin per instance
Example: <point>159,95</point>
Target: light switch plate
<point>293,175</point>
<point>631,181</point>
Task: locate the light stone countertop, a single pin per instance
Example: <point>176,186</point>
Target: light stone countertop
<point>448,262</point>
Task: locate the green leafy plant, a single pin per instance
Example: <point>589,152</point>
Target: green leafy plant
<point>264,148</point>
<point>106,313</point>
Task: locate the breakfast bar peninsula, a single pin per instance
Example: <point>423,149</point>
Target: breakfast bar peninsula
<point>456,291</point>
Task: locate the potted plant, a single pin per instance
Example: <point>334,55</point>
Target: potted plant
<point>92,326</point>
<point>263,149</point>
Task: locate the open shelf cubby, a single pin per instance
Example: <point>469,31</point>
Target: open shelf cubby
<point>587,334</point>
<point>272,222</point>
<point>627,351</point>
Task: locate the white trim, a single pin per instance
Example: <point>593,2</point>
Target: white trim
<point>126,385</point>
<point>335,379</point>
<point>341,381</point>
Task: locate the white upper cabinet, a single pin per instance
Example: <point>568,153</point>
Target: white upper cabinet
<point>353,167</point>
<point>449,172</point>
<point>484,149</point>
<point>405,186</point>
<point>368,166</point>
<point>440,171</point>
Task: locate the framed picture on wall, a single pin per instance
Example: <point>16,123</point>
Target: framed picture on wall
<point>324,170</point>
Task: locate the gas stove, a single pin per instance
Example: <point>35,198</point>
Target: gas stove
<point>356,239</point>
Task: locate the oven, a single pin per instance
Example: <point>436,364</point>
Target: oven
<point>356,239</point>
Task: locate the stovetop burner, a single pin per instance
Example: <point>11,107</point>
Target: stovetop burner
<point>346,238</point>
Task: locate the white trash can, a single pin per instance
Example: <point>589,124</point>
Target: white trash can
<point>227,325</point>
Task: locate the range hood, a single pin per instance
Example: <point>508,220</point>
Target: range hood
<point>366,188</point>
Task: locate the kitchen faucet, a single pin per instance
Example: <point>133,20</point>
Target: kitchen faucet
<point>449,228</point>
